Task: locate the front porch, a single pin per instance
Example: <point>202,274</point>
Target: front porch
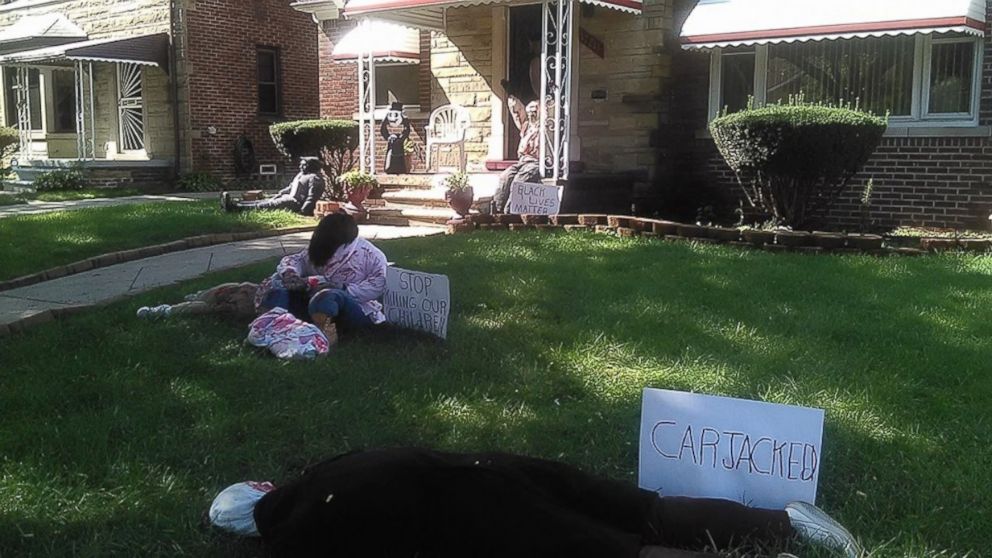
<point>102,106</point>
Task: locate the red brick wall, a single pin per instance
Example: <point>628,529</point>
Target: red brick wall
<point>222,37</point>
<point>339,82</point>
<point>933,181</point>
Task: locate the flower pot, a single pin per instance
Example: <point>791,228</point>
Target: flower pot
<point>358,196</point>
<point>460,200</point>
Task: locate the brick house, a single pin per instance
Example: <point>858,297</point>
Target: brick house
<point>144,90</point>
<point>927,64</point>
<point>643,79</point>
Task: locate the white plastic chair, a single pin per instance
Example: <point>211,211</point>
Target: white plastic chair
<point>447,127</point>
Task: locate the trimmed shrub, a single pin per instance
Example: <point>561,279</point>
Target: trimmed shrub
<point>199,182</point>
<point>333,141</point>
<point>794,160</point>
<point>9,144</point>
<point>61,179</point>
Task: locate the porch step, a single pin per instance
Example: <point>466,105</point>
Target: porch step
<point>402,214</point>
<point>391,182</point>
<point>426,198</point>
<point>19,186</point>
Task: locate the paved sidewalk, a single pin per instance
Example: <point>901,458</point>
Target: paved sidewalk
<point>114,282</point>
<point>36,207</point>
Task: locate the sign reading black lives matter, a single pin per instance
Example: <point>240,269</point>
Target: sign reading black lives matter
<point>527,198</point>
<point>417,300</point>
<point>760,454</point>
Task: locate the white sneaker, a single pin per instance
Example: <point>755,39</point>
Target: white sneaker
<point>814,525</point>
<point>154,313</point>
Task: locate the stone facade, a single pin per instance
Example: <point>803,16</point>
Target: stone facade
<point>620,96</point>
<point>937,181</point>
<point>102,19</point>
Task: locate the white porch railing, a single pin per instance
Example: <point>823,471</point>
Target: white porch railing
<point>556,88</point>
<point>366,109</point>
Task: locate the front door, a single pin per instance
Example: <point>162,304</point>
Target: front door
<point>523,63</point>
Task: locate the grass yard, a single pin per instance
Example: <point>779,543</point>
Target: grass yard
<point>118,433</point>
<point>69,195</point>
<point>32,243</point>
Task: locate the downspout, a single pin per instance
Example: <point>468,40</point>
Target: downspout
<point>174,83</point>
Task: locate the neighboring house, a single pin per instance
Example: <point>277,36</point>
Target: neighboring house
<point>143,90</point>
<point>638,88</point>
<point>606,97</point>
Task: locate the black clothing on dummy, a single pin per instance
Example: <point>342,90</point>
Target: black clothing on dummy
<point>406,503</point>
<point>395,137</point>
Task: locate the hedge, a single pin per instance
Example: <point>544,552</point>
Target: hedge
<point>794,160</point>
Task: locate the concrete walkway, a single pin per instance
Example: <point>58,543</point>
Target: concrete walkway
<point>108,284</point>
<point>36,207</point>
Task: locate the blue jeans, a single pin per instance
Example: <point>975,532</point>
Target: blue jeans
<point>340,306</point>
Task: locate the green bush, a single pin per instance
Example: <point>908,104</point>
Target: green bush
<point>794,160</point>
<point>9,144</point>
<point>61,179</point>
<point>333,141</point>
<point>199,182</point>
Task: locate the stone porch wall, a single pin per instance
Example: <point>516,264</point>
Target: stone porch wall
<point>462,73</point>
<point>617,133</point>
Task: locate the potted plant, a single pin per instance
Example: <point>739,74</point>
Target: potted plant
<point>458,193</point>
<point>411,149</point>
<point>356,186</point>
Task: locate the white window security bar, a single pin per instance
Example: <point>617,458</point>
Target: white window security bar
<point>556,88</point>
<point>130,107</point>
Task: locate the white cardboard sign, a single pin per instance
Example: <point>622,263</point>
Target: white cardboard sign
<point>534,199</point>
<point>416,300</point>
<point>760,454</point>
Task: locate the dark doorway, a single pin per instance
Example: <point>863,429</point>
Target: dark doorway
<point>523,63</point>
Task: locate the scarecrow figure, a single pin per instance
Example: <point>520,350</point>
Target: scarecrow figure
<point>395,130</point>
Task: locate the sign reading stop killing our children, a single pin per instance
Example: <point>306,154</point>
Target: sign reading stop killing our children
<point>527,198</point>
<point>759,454</point>
<point>415,300</point>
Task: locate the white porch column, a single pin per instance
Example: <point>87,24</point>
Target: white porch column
<point>22,85</point>
<point>366,110</point>
<point>556,86</point>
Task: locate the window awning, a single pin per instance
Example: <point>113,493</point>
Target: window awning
<point>31,32</point>
<point>146,50</point>
<point>429,14</point>
<point>388,42</point>
<point>726,23</point>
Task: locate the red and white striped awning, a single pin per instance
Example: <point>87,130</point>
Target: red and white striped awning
<point>727,23</point>
<point>429,14</point>
<point>388,42</point>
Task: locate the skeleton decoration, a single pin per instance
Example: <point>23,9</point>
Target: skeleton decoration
<point>395,130</point>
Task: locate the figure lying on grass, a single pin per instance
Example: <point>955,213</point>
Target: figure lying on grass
<point>301,196</point>
<point>335,284</point>
<point>412,502</point>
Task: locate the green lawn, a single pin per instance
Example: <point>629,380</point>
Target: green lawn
<point>33,243</point>
<point>68,195</point>
<point>118,433</point>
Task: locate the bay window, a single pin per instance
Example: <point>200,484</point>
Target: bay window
<point>916,80</point>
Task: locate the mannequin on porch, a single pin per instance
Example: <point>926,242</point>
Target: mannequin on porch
<point>527,168</point>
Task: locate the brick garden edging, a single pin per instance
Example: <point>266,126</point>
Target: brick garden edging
<point>112,258</point>
<point>773,241</point>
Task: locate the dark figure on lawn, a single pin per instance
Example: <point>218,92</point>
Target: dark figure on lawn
<point>527,168</point>
<point>395,130</point>
<point>301,196</point>
<point>405,503</point>
<point>335,283</point>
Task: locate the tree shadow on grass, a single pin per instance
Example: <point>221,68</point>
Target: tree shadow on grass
<point>551,340</point>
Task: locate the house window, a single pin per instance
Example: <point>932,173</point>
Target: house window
<point>64,101</point>
<point>916,80</point>
<point>269,81</point>
<point>397,83</point>
<point>34,97</point>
